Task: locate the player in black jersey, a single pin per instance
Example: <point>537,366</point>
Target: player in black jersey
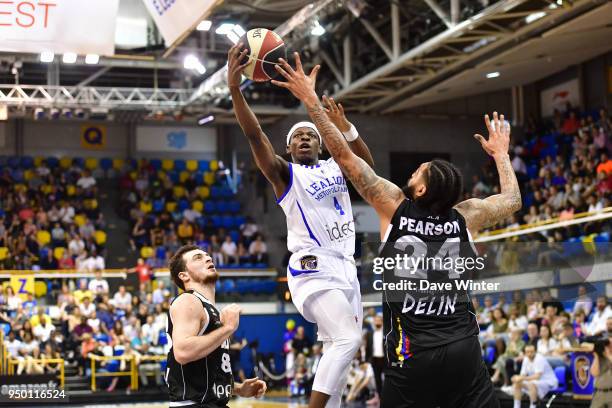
<point>199,372</point>
<point>433,353</point>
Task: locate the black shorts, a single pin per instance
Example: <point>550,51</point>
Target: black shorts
<point>453,376</point>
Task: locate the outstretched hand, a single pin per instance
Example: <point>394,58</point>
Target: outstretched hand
<point>234,68</point>
<point>335,113</point>
<point>499,135</point>
<point>302,86</point>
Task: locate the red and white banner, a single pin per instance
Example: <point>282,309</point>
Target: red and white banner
<point>558,96</point>
<point>59,26</point>
<point>174,17</point>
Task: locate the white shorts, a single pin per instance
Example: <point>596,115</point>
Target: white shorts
<point>312,271</point>
<point>542,387</point>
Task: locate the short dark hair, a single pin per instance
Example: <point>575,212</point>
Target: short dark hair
<point>444,187</point>
<point>177,264</point>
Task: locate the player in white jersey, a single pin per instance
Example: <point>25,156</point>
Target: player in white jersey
<point>321,232</point>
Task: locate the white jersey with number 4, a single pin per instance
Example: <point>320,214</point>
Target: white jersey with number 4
<point>320,231</point>
<point>318,209</point>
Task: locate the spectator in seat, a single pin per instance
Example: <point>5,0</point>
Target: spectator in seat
<point>66,261</point>
<point>12,345</point>
<point>122,299</point>
<point>145,367</point>
<point>532,334</point>
<point>243,254</point>
<point>88,309</point>
<point>76,245</point>
<point>86,181</point>
<point>605,164</point>
<point>185,231</point>
<point>94,262</point>
<point>98,285</point>
<point>602,312</point>
<point>29,306</point>
<point>249,228</point>
<point>161,293</point>
<point>87,230</point>
<point>229,251</point>
<point>547,343</point>
<point>513,350</point>
<point>39,316</point>
<point>66,213</point>
<point>49,262</point>
<point>42,331</point>
<point>215,249</point>
<point>58,236</point>
<point>516,320</point>
<point>583,302</point>
<point>537,378</point>
<point>82,292</point>
<point>51,353</point>
<point>258,250</point>
<point>13,301</point>
<point>139,235</point>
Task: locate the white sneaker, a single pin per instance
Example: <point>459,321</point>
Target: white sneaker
<point>508,389</point>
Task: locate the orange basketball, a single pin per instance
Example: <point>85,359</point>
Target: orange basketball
<point>265,47</point>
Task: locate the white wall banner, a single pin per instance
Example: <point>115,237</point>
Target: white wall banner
<point>176,139</point>
<point>174,17</point>
<point>557,97</point>
<point>58,26</point>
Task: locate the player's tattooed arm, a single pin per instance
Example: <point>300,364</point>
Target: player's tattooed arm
<point>274,167</point>
<point>488,212</point>
<point>335,112</point>
<point>381,194</point>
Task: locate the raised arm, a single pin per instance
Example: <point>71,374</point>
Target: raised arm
<point>187,314</point>
<point>381,194</point>
<point>479,213</point>
<point>274,167</point>
<point>335,112</point>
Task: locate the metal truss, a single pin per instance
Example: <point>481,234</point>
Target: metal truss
<point>44,96</point>
<point>503,24</point>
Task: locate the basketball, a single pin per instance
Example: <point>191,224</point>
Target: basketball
<point>265,47</point>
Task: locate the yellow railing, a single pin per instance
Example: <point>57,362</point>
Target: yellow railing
<point>544,223</point>
<point>133,373</point>
<point>60,361</point>
<point>3,354</point>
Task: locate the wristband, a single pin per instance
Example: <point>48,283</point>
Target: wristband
<point>351,135</point>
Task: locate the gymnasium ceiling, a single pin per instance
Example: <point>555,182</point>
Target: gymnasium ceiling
<point>400,54</point>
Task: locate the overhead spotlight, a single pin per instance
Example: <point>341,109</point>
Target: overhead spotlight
<point>193,63</point>
<point>239,30</point>
<point>79,113</point>
<point>47,56</point>
<point>224,28</point>
<point>67,113</point>
<point>493,75</point>
<point>204,25</point>
<point>3,112</point>
<point>317,29</point>
<point>54,113</point>
<point>534,16</point>
<point>69,58</point>
<point>39,113</point>
<point>206,119</point>
<point>92,59</point>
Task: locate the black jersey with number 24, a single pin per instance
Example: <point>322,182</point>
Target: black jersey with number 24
<point>207,382</point>
<point>428,314</point>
